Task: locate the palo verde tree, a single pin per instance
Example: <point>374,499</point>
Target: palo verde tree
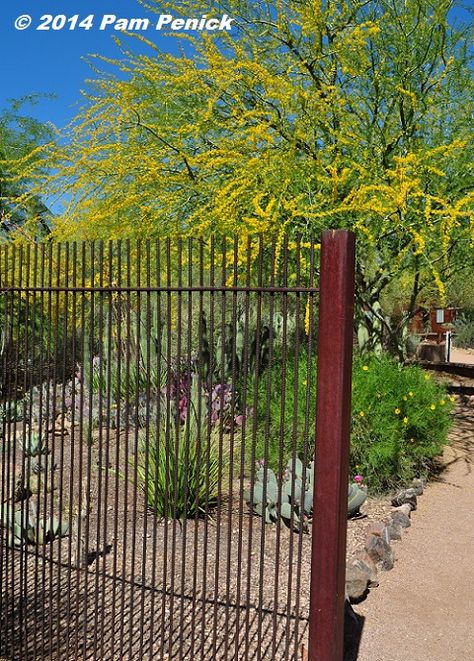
<point>23,149</point>
<point>307,115</point>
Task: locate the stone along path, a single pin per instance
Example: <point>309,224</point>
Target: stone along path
<point>423,609</point>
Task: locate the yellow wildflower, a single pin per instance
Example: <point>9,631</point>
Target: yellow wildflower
<point>397,411</point>
<point>405,420</point>
<point>432,407</point>
<point>365,368</point>
<point>361,413</point>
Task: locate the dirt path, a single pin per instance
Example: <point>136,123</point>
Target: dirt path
<point>423,608</point>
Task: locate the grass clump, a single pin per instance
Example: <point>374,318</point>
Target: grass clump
<point>179,464</point>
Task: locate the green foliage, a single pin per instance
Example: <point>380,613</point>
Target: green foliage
<point>284,413</point>
<point>29,335</point>
<point>464,331</point>
<point>400,421</point>
<point>22,163</point>
<point>178,467</point>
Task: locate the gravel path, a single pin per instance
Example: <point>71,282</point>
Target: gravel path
<point>423,608</point>
<point>462,356</point>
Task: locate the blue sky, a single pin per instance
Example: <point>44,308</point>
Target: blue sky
<point>51,61</point>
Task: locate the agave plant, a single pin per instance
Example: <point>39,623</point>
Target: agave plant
<point>34,445</point>
<point>26,527</point>
<point>179,464</point>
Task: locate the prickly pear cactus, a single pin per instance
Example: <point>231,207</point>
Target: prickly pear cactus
<point>292,497</point>
<point>356,497</point>
<point>262,496</point>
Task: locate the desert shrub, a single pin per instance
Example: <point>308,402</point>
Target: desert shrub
<point>178,464</point>
<point>400,418</point>
<point>464,330</point>
<point>284,412</point>
<point>400,421</point>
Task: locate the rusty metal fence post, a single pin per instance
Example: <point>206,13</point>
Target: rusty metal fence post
<point>335,338</point>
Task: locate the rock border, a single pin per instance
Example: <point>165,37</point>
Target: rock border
<point>378,554</point>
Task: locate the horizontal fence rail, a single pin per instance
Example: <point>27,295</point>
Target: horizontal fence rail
<point>158,424</point>
<point>164,289</point>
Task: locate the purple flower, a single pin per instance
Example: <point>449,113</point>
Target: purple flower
<point>358,479</point>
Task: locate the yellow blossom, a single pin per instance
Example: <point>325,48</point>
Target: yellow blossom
<point>365,368</point>
<point>397,411</point>
<point>405,420</point>
<point>432,407</point>
<point>361,413</point>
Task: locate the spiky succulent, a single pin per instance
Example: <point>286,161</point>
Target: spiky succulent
<point>26,527</point>
<point>33,445</point>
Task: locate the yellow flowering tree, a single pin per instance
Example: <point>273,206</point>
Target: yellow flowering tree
<point>307,115</point>
<point>22,162</point>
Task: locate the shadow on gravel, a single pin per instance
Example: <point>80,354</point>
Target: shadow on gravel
<point>61,614</point>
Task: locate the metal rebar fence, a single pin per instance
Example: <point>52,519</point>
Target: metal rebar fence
<point>157,441</point>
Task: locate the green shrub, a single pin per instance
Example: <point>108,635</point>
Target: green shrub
<point>286,415</point>
<point>400,421</point>
<point>464,331</point>
<point>177,466</point>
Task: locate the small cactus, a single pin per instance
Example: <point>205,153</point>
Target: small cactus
<point>292,498</point>
<point>356,497</point>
